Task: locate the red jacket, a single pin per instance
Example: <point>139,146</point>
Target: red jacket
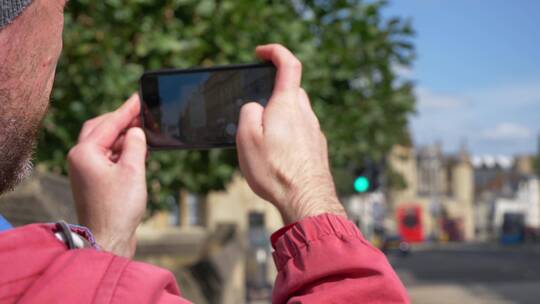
<point>322,259</point>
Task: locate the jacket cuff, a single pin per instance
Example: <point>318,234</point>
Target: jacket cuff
<point>290,240</point>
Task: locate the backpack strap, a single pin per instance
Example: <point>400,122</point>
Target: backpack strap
<point>74,236</point>
<point>64,234</point>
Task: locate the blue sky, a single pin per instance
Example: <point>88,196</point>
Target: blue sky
<point>477,73</point>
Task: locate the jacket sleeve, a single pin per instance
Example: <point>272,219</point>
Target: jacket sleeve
<point>325,259</point>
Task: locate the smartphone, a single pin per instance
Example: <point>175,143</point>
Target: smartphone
<point>199,108</point>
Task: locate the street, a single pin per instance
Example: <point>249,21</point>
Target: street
<point>471,273</point>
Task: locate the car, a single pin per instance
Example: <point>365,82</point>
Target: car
<point>396,244</point>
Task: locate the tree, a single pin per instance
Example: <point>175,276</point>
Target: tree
<point>348,49</point>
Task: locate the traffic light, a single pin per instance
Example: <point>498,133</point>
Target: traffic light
<point>361,184</point>
<point>367,177</point>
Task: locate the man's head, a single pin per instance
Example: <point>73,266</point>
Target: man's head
<point>30,44</point>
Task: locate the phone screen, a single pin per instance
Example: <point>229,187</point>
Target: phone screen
<point>200,108</point>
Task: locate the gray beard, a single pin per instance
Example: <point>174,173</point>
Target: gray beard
<point>17,142</point>
<point>10,179</point>
<point>22,109</point>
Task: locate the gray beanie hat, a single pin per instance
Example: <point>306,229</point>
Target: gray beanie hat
<point>10,9</point>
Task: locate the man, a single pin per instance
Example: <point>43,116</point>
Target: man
<point>321,257</point>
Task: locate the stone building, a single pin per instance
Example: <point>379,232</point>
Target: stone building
<point>461,191</point>
<point>439,192</point>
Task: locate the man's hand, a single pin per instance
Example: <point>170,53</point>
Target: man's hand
<point>281,149</point>
<point>107,173</point>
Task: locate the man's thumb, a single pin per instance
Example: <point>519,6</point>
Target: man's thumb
<point>134,148</point>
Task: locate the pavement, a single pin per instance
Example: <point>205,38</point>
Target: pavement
<point>471,273</point>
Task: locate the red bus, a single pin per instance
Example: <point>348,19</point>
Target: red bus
<point>410,226</point>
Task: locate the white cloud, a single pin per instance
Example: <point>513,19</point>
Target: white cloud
<point>507,131</point>
<point>494,120</point>
<point>428,100</point>
<point>516,94</point>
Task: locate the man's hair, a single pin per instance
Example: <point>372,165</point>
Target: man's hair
<point>10,9</point>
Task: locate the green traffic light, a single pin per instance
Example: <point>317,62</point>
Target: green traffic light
<point>361,184</point>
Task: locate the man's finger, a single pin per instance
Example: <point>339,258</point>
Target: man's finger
<point>303,100</point>
<point>90,125</point>
<point>106,133</point>
<point>118,144</point>
<point>136,122</point>
<point>289,68</point>
<point>305,104</point>
<point>134,148</point>
<point>250,124</point>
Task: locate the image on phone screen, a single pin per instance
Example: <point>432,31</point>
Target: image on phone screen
<point>200,108</point>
